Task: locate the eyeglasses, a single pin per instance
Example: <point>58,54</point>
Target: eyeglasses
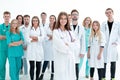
<point>74,14</point>
<point>35,20</point>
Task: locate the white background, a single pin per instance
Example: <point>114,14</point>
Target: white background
<point>93,8</point>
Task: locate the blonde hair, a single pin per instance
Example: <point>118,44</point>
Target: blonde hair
<point>85,20</point>
<point>17,28</point>
<point>98,33</point>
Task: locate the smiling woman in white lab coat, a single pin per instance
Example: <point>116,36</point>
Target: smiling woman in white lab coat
<point>95,50</point>
<point>63,43</point>
<point>35,49</point>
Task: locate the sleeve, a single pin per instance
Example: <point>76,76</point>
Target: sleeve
<point>89,42</point>
<point>28,39</point>
<point>82,42</point>
<point>41,37</point>
<point>103,40</point>
<point>0,29</point>
<point>45,32</point>
<point>118,40</point>
<point>102,28</point>
<point>8,38</point>
<point>21,35</point>
<point>59,44</point>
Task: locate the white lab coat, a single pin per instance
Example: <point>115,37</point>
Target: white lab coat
<point>94,45</point>
<point>64,60</point>
<point>25,31</point>
<point>48,48</point>
<point>80,35</point>
<point>35,49</point>
<point>110,51</point>
<point>45,25</point>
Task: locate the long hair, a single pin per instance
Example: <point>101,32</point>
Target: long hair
<point>35,17</point>
<point>54,22</point>
<point>67,26</point>
<point>98,33</point>
<point>17,28</point>
<point>90,22</point>
<point>21,17</point>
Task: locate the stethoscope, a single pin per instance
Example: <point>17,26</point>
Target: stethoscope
<point>61,35</point>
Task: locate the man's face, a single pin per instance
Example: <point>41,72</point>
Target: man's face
<point>109,13</point>
<point>26,20</point>
<point>75,16</point>
<point>43,17</point>
<point>6,17</point>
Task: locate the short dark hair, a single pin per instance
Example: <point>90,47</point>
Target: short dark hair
<point>43,13</point>
<point>109,9</point>
<point>26,16</point>
<point>74,10</point>
<point>6,12</point>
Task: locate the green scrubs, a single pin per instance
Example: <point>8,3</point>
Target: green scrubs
<point>87,35</point>
<point>3,51</point>
<point>15,54</point>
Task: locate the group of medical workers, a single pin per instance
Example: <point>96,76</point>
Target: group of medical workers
<point>60,45</point>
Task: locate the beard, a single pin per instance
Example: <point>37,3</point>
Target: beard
<point>26,23</point>
<point>74,19</point>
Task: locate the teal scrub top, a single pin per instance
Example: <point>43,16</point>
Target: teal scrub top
<point>14,51</point>
<point>87,34</point>
<point>3,30</point>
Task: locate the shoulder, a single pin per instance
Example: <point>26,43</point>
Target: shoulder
<point>8,33</point>
<point>104,23</point>
<point>21,27</point>
<point>102,33</point>
<point>55,31</point>
<point>116,22</point>
<point>1,25</point>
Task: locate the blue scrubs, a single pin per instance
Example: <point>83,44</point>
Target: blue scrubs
<point>15,54</point>
<point>3,51</point>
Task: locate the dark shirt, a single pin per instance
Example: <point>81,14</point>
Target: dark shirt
<point>110,26</point>
<point>74,27</point>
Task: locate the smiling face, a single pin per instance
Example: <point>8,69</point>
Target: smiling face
<point>95,26</point>
<point>14,25</point>
<point>63,20</point>
<point>52,19</point>
<point>75,16</point>
<point>6,17</point>
<point>26,20</point>
<point>109,13</point>
<point>87,21</point>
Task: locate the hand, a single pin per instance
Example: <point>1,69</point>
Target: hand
<point>114,43</point>
<point>66,44</point>
<point>2,37</point>
<point>34,38</point>
<point>73,40</point>
<point>88,55</point>
<point>99,56</point>
<point>11,45</point>
<point>81,55</point>
<point>25,48</point>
